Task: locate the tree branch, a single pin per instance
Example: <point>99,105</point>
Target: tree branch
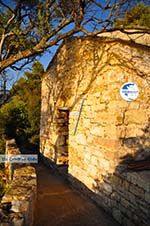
<point>18,68</point>
<point>39,48</point>
<point>30,30</point>
<point>6,6</point>
<point>132,30</point>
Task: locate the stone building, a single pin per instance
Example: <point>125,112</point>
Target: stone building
<point>88,126</point>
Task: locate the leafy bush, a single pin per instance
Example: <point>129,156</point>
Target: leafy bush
<point>137,16</point>
<point>2,188</point>
<point>2,148</point>
<point>20,117</point>
<point>2,143</point>
<point>13,118</point>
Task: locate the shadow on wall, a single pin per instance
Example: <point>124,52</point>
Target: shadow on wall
<point>64,86</point>
<point>141,147</point>
<point>62,131</point>
<point>126,192</point>
<point>69,71</point>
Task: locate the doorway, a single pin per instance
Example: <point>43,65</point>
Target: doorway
<point>62,136</point>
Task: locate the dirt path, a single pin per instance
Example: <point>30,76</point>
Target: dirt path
<point>59,205</point>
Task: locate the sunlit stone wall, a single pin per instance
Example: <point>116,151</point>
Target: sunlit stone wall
<point>105,131</point>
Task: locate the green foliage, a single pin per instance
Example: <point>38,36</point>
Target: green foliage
<point>137,16</point>
<point>13,117</point>
<point>20,117</point>
<point>32,20</point>
<point>2,188</point>
<point>2,144</point>
<point>29,27</point>
<point>28,90</point>
<point>2,140</point>
<point>2,134</point>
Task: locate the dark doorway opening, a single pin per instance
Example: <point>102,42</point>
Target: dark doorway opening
<point>62,140</point>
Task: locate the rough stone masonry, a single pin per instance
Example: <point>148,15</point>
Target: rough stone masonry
<point>86,124</point>
<point>18,203</point>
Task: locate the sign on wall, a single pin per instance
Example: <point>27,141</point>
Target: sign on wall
<point>129,91</point>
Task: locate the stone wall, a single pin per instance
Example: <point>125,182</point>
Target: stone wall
<point>85,77</point>
<point>17,205</point>
<point>11,149</point>
<point>125,196</point>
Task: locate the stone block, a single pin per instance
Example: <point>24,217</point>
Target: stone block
<point>116,181</point>
<point>107,188</point>
<point>125,203</point>
<point>116,105</point>
<point>132,130</point>
<point>115,196</point>
<point>127,222</point>
<point>122,208</point>
<point>110,131</point>
<point>107,143</point>
<point>139,192</point>
<point>97,131</point>
<point>87,123</point>
<point>145,210</point>
<point>137,220</point>
<point>62,150</point>
<point>104,118</point>
<point>125,185</point>
<point>117,215</point>
<point>94,161</point>
<point>142,180</point>
<point>147,197</point>
<point>61,140</point>
<point>104,164</point>
<point>132,177</point>
<point>132,116</point>
<point>131,197</point>
<point>87,157</point>
<point>81,139</point>
<point>88,181</point>
<point>18,221</point>
<point>90,139</point>
<point>92,171</point>
<point>26,171</point>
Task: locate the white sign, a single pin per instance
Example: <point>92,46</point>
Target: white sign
<point>129,91</point>
<point>19,158</point>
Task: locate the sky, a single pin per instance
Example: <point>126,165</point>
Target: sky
<point>45,60</point>
<point>47,56</point>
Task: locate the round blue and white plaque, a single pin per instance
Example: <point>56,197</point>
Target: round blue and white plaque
<point>129,91</point>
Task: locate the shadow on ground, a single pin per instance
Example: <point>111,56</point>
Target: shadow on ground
<point>59,205</point>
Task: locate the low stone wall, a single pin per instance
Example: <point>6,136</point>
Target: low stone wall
<point>17,205</point>
<point>126,196</point>
<point>132,196</point>
<point>11,149</point>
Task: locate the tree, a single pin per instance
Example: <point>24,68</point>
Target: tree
<point>28,90</point>
<point>28,28</point>
<point>20,116</point>
<point>2,188</point>
<point>5,79</point>
<point>13,118</point>
<point>137,17</point>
